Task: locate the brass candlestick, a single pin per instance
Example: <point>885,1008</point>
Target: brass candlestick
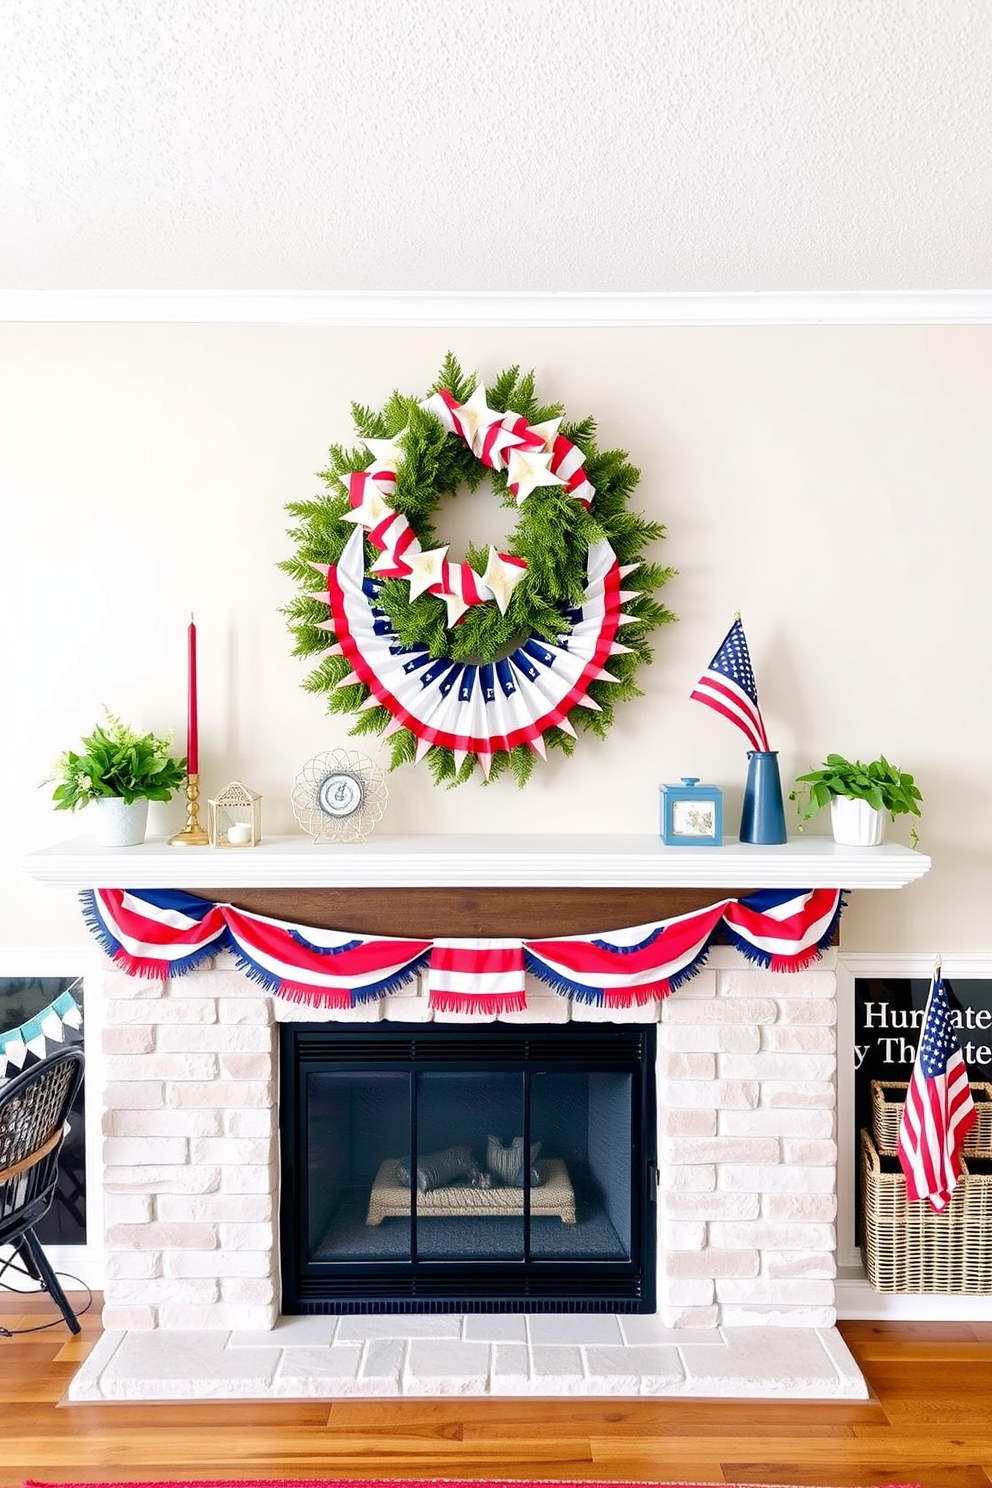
<point>192,835</point>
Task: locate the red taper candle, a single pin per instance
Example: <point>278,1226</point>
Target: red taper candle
<point>192,738</point>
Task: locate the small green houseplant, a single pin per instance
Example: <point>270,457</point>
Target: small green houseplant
<point>119,771</point>
<point>873,789</point>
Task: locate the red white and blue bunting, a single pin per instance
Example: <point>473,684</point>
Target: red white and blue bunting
<point>159,933</point>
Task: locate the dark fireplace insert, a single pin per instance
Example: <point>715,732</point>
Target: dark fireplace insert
<point>445,1168</point>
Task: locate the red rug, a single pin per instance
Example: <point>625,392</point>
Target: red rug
<point>407,1483</point>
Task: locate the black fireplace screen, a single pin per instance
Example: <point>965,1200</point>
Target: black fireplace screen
<point>443,1168</point>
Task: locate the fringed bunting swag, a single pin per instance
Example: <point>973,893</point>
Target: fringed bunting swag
<point>623,968</point>
<point>161,933</point>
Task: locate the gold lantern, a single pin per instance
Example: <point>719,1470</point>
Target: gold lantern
<point>234,818</point>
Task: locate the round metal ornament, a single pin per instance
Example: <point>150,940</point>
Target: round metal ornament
<point>339,796</point>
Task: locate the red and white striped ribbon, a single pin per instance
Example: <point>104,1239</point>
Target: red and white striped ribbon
<point>400,547</point>
<point>493,442</point>
<point>477,976</point>
<point>512,431</point>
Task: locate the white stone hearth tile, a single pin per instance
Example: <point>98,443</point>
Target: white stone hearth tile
<point>495,1327</point>
<point>510,1370</point>
<point>634,1371</point>
<point>359,1329</point>
<point>437,1367</point>
<point>383,1361</point>
<point>187,1366</point>
<point>791,1362</point>
<point>638,1330</point>
<point>289,1333</point>
<point>575,1328</point>
<point>319,1372</point>
<point>743,1363</point>
<point>852,1382</point>
<point>85,1383</point>
<point>557,1371</point>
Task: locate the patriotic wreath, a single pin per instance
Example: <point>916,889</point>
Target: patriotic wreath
<point>494,660</point>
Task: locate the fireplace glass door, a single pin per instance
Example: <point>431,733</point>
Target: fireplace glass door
<point>470,1170</point>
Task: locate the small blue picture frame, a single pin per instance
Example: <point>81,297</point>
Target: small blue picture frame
<point>691,814</point>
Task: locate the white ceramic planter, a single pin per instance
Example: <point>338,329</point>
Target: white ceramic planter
<point>117,824</point>
<point>855,823</point>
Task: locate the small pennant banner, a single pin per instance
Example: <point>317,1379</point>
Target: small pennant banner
<point>31,1041</point>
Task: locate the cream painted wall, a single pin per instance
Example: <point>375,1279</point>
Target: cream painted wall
<point>832,483</point>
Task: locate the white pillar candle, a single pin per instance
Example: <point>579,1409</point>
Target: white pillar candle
<point>239,834</point>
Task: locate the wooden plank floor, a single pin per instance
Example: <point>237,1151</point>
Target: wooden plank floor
<point>929,1421</point>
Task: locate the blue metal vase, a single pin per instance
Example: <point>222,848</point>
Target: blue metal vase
<point>763,813</point>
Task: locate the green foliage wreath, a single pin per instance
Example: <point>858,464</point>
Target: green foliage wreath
<point>553,534</point>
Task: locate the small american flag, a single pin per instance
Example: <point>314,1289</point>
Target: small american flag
<point>728,685</point>
<point>939,1110</point>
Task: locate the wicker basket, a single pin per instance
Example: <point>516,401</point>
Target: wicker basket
<point>889,1097</point>
<point>906,1247</point>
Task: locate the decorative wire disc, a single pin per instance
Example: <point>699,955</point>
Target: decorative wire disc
<point>339,796</point>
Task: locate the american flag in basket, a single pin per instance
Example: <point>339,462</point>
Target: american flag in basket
<point>939,1110</point>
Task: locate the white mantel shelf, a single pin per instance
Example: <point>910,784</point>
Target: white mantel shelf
<point>594,861</point>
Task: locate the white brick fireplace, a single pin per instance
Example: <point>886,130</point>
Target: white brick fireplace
<point>746,1152</point>
<point>747,1140</point>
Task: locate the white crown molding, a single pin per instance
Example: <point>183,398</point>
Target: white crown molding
<point>458,308</point>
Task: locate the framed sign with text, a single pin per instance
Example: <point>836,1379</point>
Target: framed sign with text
<point>888,1013</point>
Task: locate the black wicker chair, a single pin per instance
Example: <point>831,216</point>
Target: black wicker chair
<point>33,1110</point>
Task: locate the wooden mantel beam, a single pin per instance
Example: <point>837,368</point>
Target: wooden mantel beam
<point>429,911</point>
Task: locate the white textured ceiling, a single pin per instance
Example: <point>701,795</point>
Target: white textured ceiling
<point>545,145</point>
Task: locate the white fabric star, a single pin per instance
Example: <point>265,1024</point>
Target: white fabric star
<point>502,578</point>
<point>548,431</point>
<point>527,470</point>
<point>425,569</point>
<point>456,607</point>
<point>389,559</point>
<point>475,417</point>
<point>372,510</point>
<point>387,452</point>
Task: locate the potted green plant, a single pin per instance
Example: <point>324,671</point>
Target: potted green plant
<point>117,772</point>
<point>858,796</point>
